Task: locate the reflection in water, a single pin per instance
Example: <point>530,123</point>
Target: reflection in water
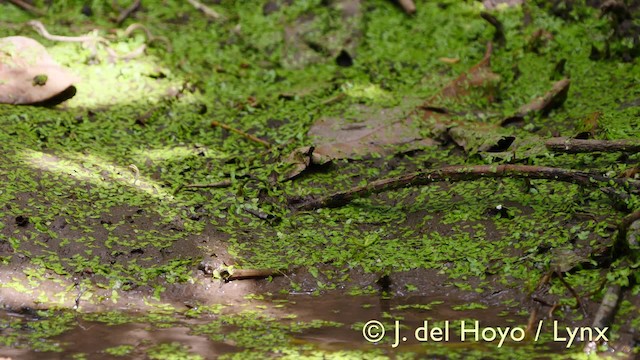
<point>294,324</point>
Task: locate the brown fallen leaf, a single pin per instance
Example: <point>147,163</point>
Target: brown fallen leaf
<point>479,76</point>
<point>370,132</point>
<point>373,131</point>
<point>29,75</point>
<point>480,137</point>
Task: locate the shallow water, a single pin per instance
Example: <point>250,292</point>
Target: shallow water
<point>93,338</point>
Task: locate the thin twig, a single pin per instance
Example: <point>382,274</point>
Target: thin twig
<point>461,173</point>
<point>572,291</point>
<point>128,11</point>
<point>28,7</point>
<point>205,9</point>
<point>498,37</point>
<point>242,133</point>
<point>39,27</point>
<point>533,316</point>
<point>95,39</point>
<point>259,214</point>
<point>573,146</point>
<point>219,184</point>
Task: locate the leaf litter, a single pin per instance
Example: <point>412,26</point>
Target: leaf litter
<point>385,131</point>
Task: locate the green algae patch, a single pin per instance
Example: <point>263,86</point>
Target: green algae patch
<point>171,351</point>
<point>121,350</point>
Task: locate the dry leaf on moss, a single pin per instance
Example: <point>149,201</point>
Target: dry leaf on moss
<point>375,131</point>
<point>29,75</point>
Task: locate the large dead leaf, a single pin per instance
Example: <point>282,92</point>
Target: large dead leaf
<point>29,75</point>
<point>382,132</point>
<point>372,131</point>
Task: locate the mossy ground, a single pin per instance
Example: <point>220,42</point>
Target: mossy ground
<point>81,227</point>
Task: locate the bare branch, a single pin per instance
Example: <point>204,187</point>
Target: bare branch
<point>128,11</point>
<point>205,9</point>
<point>28,7</point>
<point>461,173</point>
<point>573,146</point>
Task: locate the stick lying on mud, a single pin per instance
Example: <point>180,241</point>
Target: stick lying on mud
<point>462,173</point>
<point>244,274</point>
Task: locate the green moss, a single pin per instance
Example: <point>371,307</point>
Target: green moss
<point>121,350</point>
